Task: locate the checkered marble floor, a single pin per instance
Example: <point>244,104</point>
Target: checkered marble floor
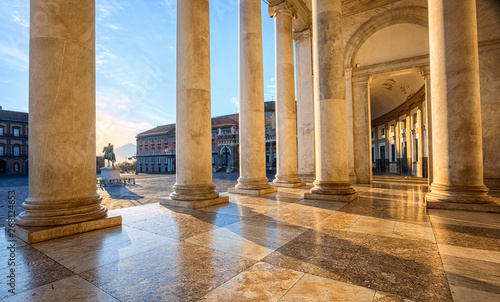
<point>278,247</point>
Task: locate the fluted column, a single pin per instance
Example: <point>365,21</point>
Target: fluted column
<point>194,187</point>
<point>362,129</point>
<point>286,119</point>
<point>332,173</point>
<point>62,149</point>
<point>305,105</point>
<point>456,108</point>
<point>252,180</point>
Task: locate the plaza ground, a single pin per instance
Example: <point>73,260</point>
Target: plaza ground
<point>384,246</point>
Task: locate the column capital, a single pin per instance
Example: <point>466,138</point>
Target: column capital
<point>362,80</point>
<point>425,71</point>
<point>282,7</point>
<point>300,36</point>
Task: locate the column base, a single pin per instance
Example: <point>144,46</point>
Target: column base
<point>252,192</point>
<point>193,204</point>
<point>288,184</point>
<point>473,198</point>
<point>30,234</point>
<point>457,206</point>
<point>308,178</point>
<point>332,197</point>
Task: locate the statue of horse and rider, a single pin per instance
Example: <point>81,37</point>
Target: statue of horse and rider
<point>109,155</point>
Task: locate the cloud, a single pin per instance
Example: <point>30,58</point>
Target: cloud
<point>103,56</point>
<point>14,56</point>
<point>113,26</point>
<point>236,102</point>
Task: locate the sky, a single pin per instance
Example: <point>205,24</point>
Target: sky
<point>135,63</point>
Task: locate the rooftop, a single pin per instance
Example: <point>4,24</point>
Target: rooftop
<point>13,115</point>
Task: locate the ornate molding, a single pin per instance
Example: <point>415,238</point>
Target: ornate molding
<point>282,7</point>
<point>300,36</point>
<point>362,80</point>
<point>425,71</point>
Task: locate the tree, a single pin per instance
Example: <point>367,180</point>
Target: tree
<point>126,166</point>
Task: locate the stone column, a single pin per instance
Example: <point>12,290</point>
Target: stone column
<point>420,149</point>
<point>332,173</point>
<point>426,72</point>
<point>62,179</point>
<point>362,129</point>
<point>194,187</point>
<point>456,109</point>
<point>286,118</point>
<point>350,123</point>
<point>252,180</point>
<point>305,105</point>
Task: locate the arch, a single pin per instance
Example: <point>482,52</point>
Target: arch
<point>16,167</point>
<point>411,14</point>
<point>225,149</point>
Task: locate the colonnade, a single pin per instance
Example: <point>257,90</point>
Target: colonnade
<point>62,110</point>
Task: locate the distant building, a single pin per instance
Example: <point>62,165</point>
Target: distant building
<point>156,147</point>
<point>13,143</point>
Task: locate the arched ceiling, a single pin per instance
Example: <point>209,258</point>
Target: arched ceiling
<point>395,42</point>
<point>387,93</point>
<point>392,43</point>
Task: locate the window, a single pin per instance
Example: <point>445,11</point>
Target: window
<point>159,160</point>
<point>373,154</point>
<point>152,160</point>
<point>16,150</point>
<point>2,150</point>
<point>16,131</point>
<point>393,153</point>
<point>383,131</point>
<point>415,144</point>
<point>1,130</point>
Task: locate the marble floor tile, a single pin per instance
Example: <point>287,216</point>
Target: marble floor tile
<point>261,282</point>
<point>298,215</point>
<point>408,268</point>
<point>236,209</point>
<point>463,252</point>
<point>467,236</point>
<point>225,240</point>
<point>374,226</point>
<point>69,289</point>
<point>266,230</point>
<point>471,273</point>
<point>464,294</point>
<point>412,230</point>
<point>463,218</point>
<point>339,221</point>
<point>180,272</point>
<point>83,252</point>
<point>32,269</point>
<point>178,228</point>
<point>313,288</point>
<point>325,261</point>
<point>387,297</point>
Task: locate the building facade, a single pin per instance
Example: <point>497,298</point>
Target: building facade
<point>400,140</point>
<point>156,147</point>
<point>13,143</point>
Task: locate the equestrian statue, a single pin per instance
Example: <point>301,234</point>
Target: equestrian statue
<point>109,155</point>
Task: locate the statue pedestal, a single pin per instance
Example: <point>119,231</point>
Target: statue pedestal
<point>110,176</point>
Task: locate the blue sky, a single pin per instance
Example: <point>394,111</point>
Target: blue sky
<point>135,62</point>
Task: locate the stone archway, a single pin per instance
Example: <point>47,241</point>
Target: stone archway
<point>413,15</point>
